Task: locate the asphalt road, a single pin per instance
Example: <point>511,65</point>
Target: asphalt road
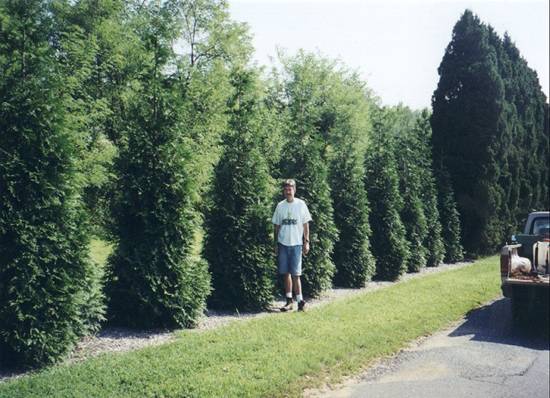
<point>488,355</point>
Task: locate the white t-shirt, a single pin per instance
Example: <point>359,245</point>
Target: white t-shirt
<point>291,217</point>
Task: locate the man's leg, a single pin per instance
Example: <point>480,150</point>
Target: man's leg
<point>298,292</point>
<point>289,305</point>
<point>297,284</point>
<point>283,260</point>
<point>296,270</point>
<point>288,285</point>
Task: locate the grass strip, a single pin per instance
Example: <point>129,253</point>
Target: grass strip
<point>280,354</point>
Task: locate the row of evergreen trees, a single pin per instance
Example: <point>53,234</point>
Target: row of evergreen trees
<point>146,123</point>
<point>490,134</point>
<point>102,124</point>
<point>319,113</point>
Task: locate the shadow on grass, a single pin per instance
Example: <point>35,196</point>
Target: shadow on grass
<point>494,323</point>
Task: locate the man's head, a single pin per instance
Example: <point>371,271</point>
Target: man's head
<point>289,189</point>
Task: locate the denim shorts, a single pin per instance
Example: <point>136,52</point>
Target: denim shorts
<point>290,259</point>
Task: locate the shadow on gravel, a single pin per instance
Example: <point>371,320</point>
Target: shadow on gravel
<point>494,323</point>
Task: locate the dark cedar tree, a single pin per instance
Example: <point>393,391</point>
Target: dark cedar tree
<point>467,108</point>
<point>489,133</point>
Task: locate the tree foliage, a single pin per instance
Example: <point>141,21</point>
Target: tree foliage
<point>49,289</point>
<point>433,240</point>
<point>239,243</point>
<point>155,280</point>
<point>449,216</point>
<point>175,116</point>
<point>98,62</point>
<point>338,109</point>
<point>400,123</point>
<point>303,160</point>
<point>355,264</point>
<point>209,44</point>
<point>488,133</point>
<point>346,128</point>
<point>389,243</point>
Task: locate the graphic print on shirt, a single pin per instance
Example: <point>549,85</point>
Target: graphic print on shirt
<point>289,220</point>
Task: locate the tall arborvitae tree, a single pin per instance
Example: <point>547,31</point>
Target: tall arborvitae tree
<point>189,90</point>
<point>48,287</point>
<point>302,160</point>
<point>340,120</point>
<point>410,173</point>
<point>389,243</point>
<point>355,264</point>
<point>307,167</point>
<point>433,240</point>
<point>449,216</point>
<point>466,124</point>
<point>346,129</point>
<point>155,280</point>
<point>239,241</point>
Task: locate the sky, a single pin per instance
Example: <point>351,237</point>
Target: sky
<point>395,45</point>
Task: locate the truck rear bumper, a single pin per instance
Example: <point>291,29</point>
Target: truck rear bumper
<point>508,284</point>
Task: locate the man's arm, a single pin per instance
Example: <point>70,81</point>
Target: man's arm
<point>306,238</point>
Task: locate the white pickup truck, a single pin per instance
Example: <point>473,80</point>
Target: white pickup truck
<point>524,266</point>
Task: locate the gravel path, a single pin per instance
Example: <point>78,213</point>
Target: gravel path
<point>120,340</point>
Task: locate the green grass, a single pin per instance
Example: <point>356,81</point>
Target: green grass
<point>280,354</point>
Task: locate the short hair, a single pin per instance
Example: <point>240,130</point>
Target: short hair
<point>289,181</point>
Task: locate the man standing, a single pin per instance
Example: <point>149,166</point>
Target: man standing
<point>291,220</point>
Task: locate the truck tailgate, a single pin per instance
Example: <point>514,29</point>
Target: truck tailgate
<point>539,280</point>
